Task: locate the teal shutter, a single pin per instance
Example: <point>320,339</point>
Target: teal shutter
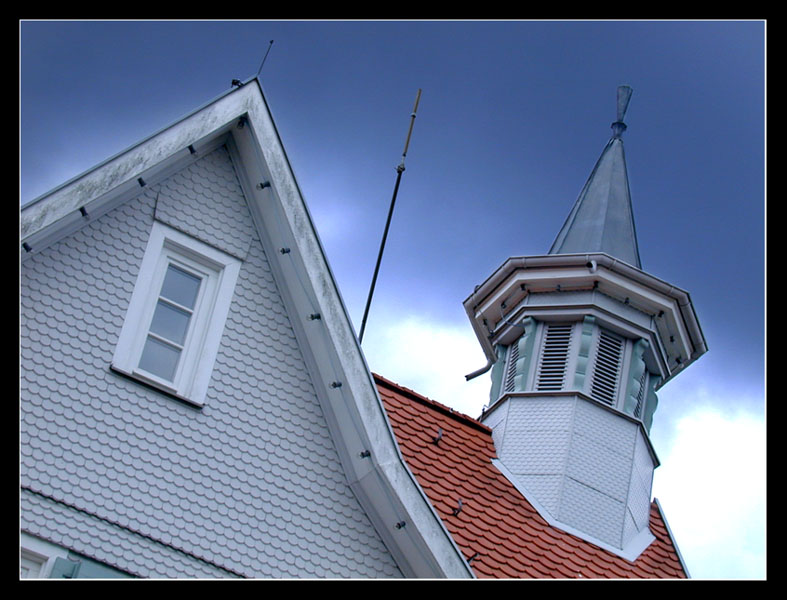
<point>64,569</point>
<point>79,567</point>
<point>513,357</point>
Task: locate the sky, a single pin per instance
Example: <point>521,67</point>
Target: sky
<point>511,119</point>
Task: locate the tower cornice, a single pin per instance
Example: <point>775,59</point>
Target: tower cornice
<point>669,307</point>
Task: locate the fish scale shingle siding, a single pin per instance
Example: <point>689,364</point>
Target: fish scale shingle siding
<point>250,485</point>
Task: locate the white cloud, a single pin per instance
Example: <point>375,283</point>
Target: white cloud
<point>711,484</point>
<point>432,359</point>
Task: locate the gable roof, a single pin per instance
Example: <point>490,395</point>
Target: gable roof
<point>498,530</point>
<point>241,120</point>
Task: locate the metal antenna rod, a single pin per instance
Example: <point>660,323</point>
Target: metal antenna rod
<point>264,58</point>
<point>399,171</point>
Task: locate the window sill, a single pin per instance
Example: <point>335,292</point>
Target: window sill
<point>156,386</point>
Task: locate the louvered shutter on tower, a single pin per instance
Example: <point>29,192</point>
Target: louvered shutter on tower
<point>513,356</point>
<point>608,364</point>
<point>554,356</point>
<point>643,381</point>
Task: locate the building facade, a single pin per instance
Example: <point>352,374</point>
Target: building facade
<point>194,402</point>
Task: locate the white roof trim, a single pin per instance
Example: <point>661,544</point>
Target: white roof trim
<point>400,511</point>
<point>615,277</point>
<point>154,152</point>
<point>672,538</point>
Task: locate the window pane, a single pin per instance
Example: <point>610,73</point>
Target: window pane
<point>170,322</point>
<point>159,358</point>
<point>180,286</point>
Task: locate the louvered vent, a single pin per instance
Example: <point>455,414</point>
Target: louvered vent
<point>641,394</point>
<point>606,373</point>
<point>513,356</point>
<point>554,357</point>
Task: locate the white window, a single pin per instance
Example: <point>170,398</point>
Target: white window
<point>177,313</point>
<point>36,557</point>
<point>30,565</point>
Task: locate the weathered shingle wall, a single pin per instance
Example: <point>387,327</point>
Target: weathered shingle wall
<point>249,485</point>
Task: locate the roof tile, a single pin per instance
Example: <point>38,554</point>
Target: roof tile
<point>498,530</point>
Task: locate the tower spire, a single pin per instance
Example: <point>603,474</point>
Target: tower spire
<point>578,343</point>
<point>602,219</point>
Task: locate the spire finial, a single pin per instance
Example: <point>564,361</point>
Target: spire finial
<point>624,96</point>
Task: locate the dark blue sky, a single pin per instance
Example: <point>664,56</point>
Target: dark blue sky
<point>512,118</point>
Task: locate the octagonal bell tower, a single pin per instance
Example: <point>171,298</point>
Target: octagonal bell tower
<point>578,342</point>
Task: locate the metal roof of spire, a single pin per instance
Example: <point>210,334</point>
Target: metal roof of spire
<point>602,219</point>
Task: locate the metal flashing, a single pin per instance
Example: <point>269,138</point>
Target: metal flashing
<point>630,552</point>
<point>672,536</point>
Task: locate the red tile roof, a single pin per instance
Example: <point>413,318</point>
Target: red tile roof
<point>497,529</point>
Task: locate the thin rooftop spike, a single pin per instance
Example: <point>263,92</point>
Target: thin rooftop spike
<point>262,64</point>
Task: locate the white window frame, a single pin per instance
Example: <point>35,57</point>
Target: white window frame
<point>219,272</point>
<point>44,554</point>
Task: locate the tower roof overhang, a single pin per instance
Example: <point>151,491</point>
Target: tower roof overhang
<point>500,300</point>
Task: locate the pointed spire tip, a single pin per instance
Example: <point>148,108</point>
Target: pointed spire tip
<point>624,97</point>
